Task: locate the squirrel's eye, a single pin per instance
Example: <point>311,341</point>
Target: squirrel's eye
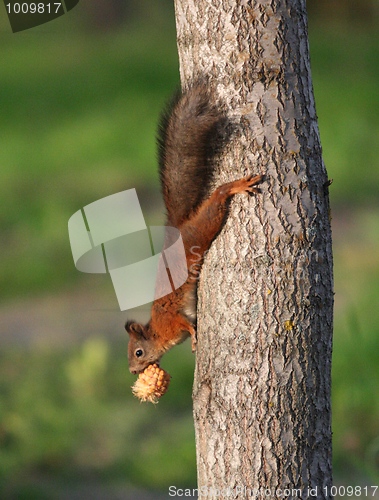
<point>139,353</point>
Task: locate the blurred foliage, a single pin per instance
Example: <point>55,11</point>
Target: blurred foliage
<point>346,77</point>
<point>78,123</point>
<point>356,344</point>
<point>71,414</point>
<point>79,111</point>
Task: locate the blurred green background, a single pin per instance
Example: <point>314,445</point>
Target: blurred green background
<point>79,99</point>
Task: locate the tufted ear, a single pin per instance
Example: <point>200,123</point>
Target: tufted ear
<point>134,329</point>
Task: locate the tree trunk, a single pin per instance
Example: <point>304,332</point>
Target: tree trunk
<point>263,362</point>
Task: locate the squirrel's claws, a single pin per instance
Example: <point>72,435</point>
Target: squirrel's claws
<point>253,190</point>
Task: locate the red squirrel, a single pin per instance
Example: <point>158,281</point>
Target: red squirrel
<point>186,145</point>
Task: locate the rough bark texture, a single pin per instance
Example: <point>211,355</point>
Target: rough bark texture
<point>262,382</point>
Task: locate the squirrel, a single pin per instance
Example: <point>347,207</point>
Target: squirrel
<point>188,138</point>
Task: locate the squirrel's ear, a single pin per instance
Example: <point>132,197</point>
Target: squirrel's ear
<point>134,329</point>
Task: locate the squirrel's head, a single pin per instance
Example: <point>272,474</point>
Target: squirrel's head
<point>142,351</point>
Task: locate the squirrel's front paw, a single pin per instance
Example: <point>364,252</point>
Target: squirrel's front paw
<point>253,180</point>
<point>246,185</point>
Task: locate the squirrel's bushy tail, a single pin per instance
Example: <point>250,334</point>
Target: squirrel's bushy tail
<point>187,141</point>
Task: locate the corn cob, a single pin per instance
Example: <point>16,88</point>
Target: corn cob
<point>151,384</point>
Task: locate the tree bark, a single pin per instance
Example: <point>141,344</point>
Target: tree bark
<point>265,298</point>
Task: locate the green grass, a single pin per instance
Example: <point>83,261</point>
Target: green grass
<point>356,345</point>
<point>346,79</point>
<point>71,414</point>
<point>78,123</point>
